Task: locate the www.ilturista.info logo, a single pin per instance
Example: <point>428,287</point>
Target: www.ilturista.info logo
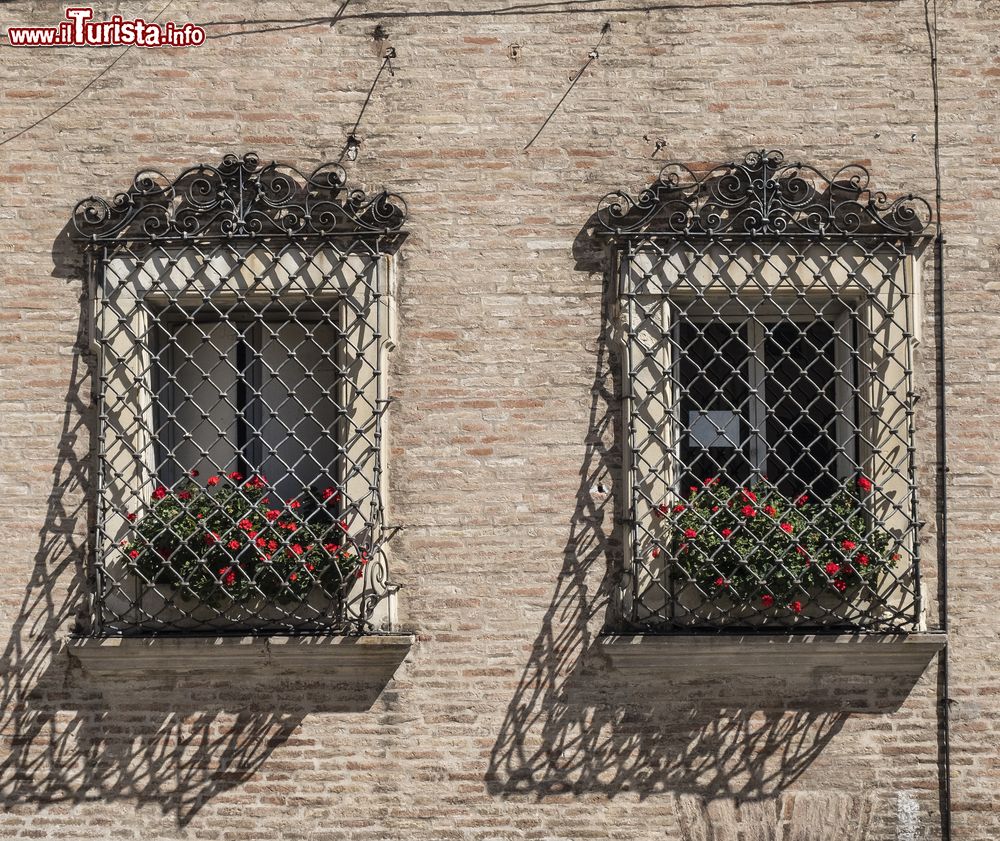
<point>78,30</point>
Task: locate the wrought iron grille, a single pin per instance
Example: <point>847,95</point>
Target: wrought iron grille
<point>241,320</point>
<point>768,316</point>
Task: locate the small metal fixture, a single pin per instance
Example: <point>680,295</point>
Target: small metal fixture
<point>514,52</point>
<point>352,148</point>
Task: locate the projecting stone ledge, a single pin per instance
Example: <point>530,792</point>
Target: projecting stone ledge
<point>361,659</point>
<point>714,654</point>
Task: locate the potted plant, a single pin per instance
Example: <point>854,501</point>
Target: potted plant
<point>752,556</point>
<point>232,543</point>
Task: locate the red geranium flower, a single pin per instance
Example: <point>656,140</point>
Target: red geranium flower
<point>184,496</point>
<point>297,549</point>
<point>272,545</point>
<point>678,509</point>
<point>863,560</point>
<point>328,493</point>
<point>833,568</point>
<point>231,578</point>
<point>691,534</point>
<point>865,484</point>
<point>767,600</point>
<point>847,544</point>
<point>332,548</point>
<point>134,554</point>
<point>802,500</point>
<point>236,476</point>
<point>720,582</point>
<point>273,514</point>
<point>261,542</point>
<point>788,528</point>
<point>656,552</point>
<point>293,577</point>
<point>245,524</point>
<point>748,511</point>
<point>796,607</point>
<point>770,510</point>
<point>211,537</point>
<point>194,474</point>
<point>715,508</point>
<point>726,532</point>
<point>160,492</point>
<point>294,504</point>
<point>310,567</point>
<point>130,517</point>
<point>840,584</point>
<point>213,481</point>
<point>749,494</point>
<point>233,544</point>
<point>662,510</point>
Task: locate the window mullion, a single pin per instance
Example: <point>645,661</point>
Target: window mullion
<point>756,376</point>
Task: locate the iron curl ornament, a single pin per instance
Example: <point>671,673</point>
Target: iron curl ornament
<point>241,197</point>
<point>762,195</point>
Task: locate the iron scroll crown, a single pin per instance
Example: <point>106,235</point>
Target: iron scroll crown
<point>762,195</point>
<point>241,197</point>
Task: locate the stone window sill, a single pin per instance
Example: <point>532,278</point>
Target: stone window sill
<point>697,655</point>
<point>349,659</point>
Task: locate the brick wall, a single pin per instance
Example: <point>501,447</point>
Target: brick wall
<point>501,724</point>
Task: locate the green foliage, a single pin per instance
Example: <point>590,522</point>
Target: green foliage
<point>761,549</point>
<point>226,542</point>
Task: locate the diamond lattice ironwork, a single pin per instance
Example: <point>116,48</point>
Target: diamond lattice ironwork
<point>240,323</point>
<point>768,317</point>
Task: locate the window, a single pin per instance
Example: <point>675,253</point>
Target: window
<point>768,319</point>
<point>255,392</point>
<point>243,316</point>
<point>772,396</point>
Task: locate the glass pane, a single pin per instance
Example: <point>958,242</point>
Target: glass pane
<point>299,407</point>
<point>196,397</point>
<point>801,395</point>
<point>715,402</point>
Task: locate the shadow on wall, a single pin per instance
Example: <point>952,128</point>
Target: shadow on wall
<point>71,738</point>
<point>575,727</point>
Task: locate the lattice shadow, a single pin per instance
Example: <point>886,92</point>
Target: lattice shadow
<point>575,727</point>
<point>73,739</point>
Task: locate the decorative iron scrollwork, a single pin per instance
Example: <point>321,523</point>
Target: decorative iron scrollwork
<point>240,197</point>
<point>763,195</point>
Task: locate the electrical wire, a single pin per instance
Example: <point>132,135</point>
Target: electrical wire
<point>390,54</point>
<point>592,56</point>
<point>82,90</point>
